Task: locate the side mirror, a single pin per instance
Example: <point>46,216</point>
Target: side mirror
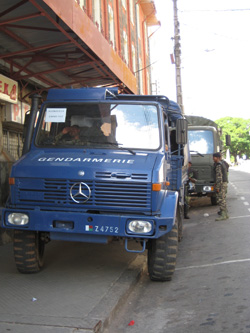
<point>181,131</point>
<point>228,140</point>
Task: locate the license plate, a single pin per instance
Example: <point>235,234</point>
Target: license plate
<point>102,229</point>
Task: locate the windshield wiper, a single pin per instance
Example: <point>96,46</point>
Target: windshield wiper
<point>194,151</point>
<point>121,148</point>
<point>115,145</point>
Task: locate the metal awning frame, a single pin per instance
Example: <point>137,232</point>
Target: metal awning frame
<point>81,57</point>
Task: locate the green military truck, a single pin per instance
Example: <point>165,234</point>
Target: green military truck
<point>204,139</point>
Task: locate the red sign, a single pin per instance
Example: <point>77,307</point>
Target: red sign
<point>16,112</point>
<point>8,89</point>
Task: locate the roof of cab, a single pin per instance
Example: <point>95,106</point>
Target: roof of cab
<point>87,94</point>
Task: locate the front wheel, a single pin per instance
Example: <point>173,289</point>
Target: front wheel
<point>162,253</point>
<point>214,200</point>
<point>28,251</point>
<point>180,224</point>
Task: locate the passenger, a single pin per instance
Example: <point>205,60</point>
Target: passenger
<point>93,133</point>
<point>220,186</point>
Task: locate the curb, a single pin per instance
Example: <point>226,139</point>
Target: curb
<point>115,298</point>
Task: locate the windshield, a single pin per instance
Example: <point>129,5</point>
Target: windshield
<point>102,124</point>
<point>201,142</point>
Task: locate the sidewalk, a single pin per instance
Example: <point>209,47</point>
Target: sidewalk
<point>79,290</point>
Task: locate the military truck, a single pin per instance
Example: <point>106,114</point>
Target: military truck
<point>97,166</point>
<point>204,139</point>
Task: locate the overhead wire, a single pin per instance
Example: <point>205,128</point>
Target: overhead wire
<point>213,10</point>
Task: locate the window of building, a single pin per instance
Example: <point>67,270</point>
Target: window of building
<point>111,25</point>
<point>146,37</point>
<point>138,21</point>
<point>12,142</point>
<point>131,11</point>
<point>124,4</point>
<point>133,57</point>
<point>148,83</point>
<point>97,13</point>
<point>125,45</point>
<point>81,3</point>
<point>140,77</point>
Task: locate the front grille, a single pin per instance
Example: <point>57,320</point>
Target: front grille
<point>105,194</point>
<point>135,176</point>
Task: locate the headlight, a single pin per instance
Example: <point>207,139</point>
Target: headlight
<point>207,188</point>
<point>140,227</point>
<point>18,218</point>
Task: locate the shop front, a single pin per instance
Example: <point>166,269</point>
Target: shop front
<point>12,113</point>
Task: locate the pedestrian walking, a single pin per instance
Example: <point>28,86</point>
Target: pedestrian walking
<point>220,186</point>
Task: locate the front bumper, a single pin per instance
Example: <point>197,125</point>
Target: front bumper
<point>204,189</point>
<point>86,227</point>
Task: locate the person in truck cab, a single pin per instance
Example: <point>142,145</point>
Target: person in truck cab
<point>72,131</point>
<point>69,133</point>
<point>78,134</point>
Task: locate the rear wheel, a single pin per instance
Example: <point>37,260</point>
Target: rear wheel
<point>28,251</point>
<point>162,253</point>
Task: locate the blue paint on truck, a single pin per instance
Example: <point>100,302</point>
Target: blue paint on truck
<point>99,165</point>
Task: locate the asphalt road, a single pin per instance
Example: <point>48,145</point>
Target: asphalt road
<point>210,290</point>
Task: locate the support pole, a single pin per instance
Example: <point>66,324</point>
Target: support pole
<point>177,54</point>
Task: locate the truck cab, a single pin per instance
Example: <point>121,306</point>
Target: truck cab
<point>204,140</point>
<point>97,166</point>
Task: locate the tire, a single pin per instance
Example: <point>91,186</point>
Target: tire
<point>162,253</point>
<point>213,200</point>
<point>28,251</point>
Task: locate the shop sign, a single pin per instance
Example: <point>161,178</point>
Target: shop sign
<point>16,112</point>
<point>8,89</point>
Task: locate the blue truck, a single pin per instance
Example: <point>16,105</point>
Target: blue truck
<point>97,166</point>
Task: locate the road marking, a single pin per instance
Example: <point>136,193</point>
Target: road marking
<point>215,264</point>
<point>249,209</point>
<point>242,198</point>
<point>238,217</point>
<point>246,203</point>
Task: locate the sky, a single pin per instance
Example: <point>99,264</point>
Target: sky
<point>215,56</point>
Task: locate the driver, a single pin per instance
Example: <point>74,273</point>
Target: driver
<point>71,132</point>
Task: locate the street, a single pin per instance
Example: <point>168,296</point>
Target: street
<point>210,290</point>
<point>96,288</point>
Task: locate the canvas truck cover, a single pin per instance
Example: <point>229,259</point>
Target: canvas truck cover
<point>200,121</point>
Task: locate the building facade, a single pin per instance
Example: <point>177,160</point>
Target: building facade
<point>67,44</point>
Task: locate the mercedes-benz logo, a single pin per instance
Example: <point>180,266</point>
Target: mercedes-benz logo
<point>80,190</point>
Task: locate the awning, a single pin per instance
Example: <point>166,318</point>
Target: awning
<point>54,44</point>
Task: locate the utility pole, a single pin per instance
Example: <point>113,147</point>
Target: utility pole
<point>177,54</point>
